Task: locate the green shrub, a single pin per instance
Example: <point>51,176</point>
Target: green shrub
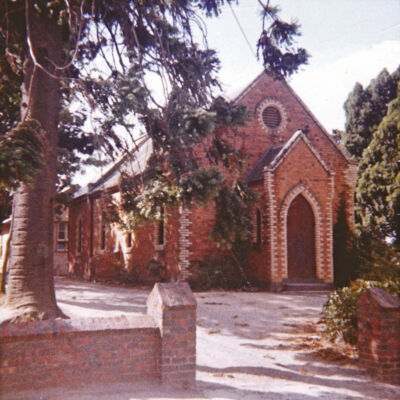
<point>216,272</point>
<point>345,260</point>
<point>340,311</point>
<point>376,259</point>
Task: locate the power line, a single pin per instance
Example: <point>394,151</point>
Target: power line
<point>243,32</point>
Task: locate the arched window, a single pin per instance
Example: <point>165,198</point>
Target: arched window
<point>128,239</point>
<point>161,238</point>
<point>103,232</point>
<point>258,227</point>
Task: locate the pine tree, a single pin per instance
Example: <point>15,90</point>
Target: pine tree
<point>344,260</point>
<point>365,109</point>
<point>378,188</point>
<point>56,44</point>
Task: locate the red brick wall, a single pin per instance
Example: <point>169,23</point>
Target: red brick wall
<point>259,266</point>
<point>174,307</point>
<point>145,249</point>
<point>255,138</point>
<point>379,334</point>
<point>160,346</point>
<point>170,251</point>
<point>77,352</point>
<point>301,165</point>
<point>258,138</point>
<point>117,258</point>
<point>203,219</point>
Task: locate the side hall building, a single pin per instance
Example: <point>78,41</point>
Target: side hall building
<point>295,166</point>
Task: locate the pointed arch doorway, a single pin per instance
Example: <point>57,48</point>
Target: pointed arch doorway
<point>301,240</point>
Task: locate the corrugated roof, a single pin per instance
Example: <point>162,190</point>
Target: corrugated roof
<point>133,163</point>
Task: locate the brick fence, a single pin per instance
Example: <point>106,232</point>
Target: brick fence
<point>158,347</point>
<point>379,334</point>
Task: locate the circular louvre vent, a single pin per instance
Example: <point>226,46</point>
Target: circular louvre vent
<point>271,117</point>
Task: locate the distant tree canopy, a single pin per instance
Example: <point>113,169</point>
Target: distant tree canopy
<point>378,187</point>
<point>372,136</point>
<point>365,109</point>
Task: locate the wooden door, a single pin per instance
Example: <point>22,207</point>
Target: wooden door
<point>301,239</point>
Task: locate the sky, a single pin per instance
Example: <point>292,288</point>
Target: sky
<point>348,40</point>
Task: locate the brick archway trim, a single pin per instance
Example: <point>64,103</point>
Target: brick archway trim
<point>304,190</point>
<point>277,218</point>
<point>267,102</point>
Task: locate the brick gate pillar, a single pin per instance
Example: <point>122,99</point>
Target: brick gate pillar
<point>379,334</point>
<point>174,308</point>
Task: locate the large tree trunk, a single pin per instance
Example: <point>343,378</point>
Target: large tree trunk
<point>30,287</point>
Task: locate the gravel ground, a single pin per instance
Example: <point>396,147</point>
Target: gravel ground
<point>253,345</point>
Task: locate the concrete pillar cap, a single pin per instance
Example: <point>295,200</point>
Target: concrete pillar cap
<point>173,295</point>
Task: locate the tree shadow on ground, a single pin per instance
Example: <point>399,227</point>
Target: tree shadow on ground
<point>227,392</point>
<point>234,313</point>
<point>114,391</point>
<point>366,387</point>
<point>105,306</point>
<point>331,370</point>
<point>62,283</point>
<point>279,314</point>
<point>87,298</point>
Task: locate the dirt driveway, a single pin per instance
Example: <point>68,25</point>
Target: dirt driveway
<point>249,346</point>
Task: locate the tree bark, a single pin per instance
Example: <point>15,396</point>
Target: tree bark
<point>4,265</point>
<point>30,287</point>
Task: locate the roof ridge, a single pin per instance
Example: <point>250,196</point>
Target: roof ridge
<point>116,165</point>
<point>302,104</point>
<point>319,124</point>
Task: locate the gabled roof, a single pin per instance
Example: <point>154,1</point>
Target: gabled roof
<point>257,172</point>
<point>243,92</point>
<point>272,158</point>
<point>134,163</point>
<point>289,145</point>
<point>254,83</point>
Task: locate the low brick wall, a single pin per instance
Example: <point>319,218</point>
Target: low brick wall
<point>158,347</point>
<point>379,334</point>
<point>175,312</point>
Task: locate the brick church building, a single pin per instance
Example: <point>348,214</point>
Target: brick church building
<point>293,164</point>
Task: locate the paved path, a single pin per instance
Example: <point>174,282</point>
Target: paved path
<point>249,346</point>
